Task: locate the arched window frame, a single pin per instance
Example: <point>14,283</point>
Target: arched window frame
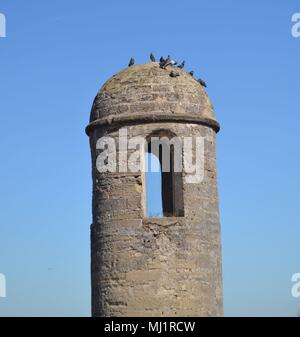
<point>172,182</point>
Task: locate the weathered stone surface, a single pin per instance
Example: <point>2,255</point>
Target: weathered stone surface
<point>154,267</point>
<point>147,91</point>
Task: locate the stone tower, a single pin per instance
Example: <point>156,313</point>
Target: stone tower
<point>167,266</point>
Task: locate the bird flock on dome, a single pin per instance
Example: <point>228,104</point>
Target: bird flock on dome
<point>168,61</point>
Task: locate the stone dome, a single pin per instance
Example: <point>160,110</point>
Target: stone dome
<point>146,93</point>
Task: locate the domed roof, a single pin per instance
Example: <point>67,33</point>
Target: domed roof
<point>146,92</point>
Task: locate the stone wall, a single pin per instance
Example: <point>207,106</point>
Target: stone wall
<point>155,267</point>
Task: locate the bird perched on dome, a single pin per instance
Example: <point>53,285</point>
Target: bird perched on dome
<point>181,65</point>
<point>168,62</point>
<point>162,60</point>
<point>191,73</point>
<point>202,82</point>
<point>174,74</point>
<point>131,62</point>
<point>152,58</point>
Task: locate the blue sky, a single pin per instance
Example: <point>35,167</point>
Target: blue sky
<point>54,59</point>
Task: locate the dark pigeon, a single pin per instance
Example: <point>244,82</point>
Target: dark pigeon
<point>181,65</point>
<point>202,83</point>
<point>131,62</point>
<point>169,62</point>
<point>162,60</point>
<point>174,74</point>
<point>152,58</point>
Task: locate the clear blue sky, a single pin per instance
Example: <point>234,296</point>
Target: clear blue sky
<point>56,56</point>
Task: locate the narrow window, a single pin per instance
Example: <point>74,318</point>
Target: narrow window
<point>164,190</point>
<point>153,186</point>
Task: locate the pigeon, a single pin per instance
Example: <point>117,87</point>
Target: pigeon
<point>131,62</point>
<point>202,82</point>
<point>174,74</point>
<point>181,65</point>
<point>152,58</point>
<point>163,62</point>
<point>169,62</point>
<point>191,73</point>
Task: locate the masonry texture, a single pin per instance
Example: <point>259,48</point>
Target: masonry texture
<point>141,266</point>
